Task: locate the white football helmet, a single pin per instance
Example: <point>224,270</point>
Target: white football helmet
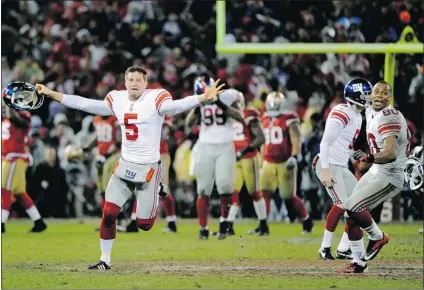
<point>414,171</point>
<point>274,104</point>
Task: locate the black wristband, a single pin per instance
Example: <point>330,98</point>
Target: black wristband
<point>247,150</point>
<point>370,158</point>
<point>220,104</point>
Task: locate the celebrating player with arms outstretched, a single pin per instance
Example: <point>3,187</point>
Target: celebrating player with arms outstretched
<point>388,138</point>
<point>248,137</point>
<point>331,164</point>
<point>215,157</point>
<point>282,148</point>
<point>140,113</point>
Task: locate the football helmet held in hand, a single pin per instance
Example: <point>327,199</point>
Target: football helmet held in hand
<point>22,96</point>
<point>414,171</point>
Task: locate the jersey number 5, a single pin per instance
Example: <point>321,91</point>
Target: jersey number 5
<point>131,130</point>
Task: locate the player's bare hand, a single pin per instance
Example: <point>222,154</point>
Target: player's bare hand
<point>211,92</point>
<point>42,89</point>
<point>327,178</point>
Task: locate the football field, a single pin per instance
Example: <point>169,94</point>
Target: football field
<point>58,258</point>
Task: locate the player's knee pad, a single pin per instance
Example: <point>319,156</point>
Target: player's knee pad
<point>145,224</point>
<point>110,213</point>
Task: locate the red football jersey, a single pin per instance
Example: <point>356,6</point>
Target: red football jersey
<point>15,139</point>
<point>242,135</point>
<point>106,133</point>
<point>166,130</point>
<point>278,146</point>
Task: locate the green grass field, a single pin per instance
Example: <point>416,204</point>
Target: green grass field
<point>58,258</point>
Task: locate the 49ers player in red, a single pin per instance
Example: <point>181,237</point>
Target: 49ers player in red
<point>248,137</point>
<point>167,201</point>
<point>282,148</point>
<point>15,159</point>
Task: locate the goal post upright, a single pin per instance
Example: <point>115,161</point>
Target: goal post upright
<point>389,49</point>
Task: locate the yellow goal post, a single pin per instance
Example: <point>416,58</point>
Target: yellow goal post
<point>389,49</point>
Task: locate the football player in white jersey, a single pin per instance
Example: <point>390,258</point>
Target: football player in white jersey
<point>140,113</point>
<point>331,164</point>
<point>215,157</point>
<point>388,137</point>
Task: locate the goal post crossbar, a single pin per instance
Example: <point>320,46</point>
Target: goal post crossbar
<point>389,49</point>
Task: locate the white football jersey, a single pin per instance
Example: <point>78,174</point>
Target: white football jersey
<point>141,123</point>
<point>216,127</point>
<point>380,125</point>
<point>341,149</point>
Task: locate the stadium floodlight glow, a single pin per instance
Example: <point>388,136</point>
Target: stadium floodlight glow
<point>389,49</point>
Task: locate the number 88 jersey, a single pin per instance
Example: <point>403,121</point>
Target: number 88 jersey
<point>278,146</point>
<point>216,127</point>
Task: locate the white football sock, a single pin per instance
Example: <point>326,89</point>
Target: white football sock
<point>133,216</point>
<point>222,219</point>
<point>33,213</point>
<point>358,251</point>
<point>232,214</point>
<point>106,248</point>
<point>344,243</point>
<point>260,209</point>
<point>171,218</point>
<point>374,232</point>
<point>4,215</point>
<point>326,239</point>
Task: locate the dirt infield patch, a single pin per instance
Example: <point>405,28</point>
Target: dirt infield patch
<point>412,269</point>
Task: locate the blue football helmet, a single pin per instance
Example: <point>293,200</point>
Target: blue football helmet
<point>198,87</point>
<point>358,92</point>
<point>22,96</point>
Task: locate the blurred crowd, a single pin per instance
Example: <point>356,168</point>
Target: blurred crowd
<point>83,48</point>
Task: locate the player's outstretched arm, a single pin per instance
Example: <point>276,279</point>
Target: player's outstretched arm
<point>76,102</point>
<point>174,107</point>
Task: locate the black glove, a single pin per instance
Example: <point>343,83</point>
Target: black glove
<point>360,155</point>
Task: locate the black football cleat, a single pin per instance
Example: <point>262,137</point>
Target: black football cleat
<point>132,227</point>
<point>3,228</point>
<point>374,247</point>
<point>99,266</point>
<point>171,228</point>
<point>203,234</point>
<point>39,226</point>
<point>230,230</point>
<point>343,255</point>
<point>354,268</point>
<point>164,190</point>
<point>325,254</point>
<point>307,226</point>
<point>223,230</point>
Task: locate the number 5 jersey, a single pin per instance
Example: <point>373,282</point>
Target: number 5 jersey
<point>380,125</point>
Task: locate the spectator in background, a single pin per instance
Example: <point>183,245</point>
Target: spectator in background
<point>61,136</point>
<point>49,186</point>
